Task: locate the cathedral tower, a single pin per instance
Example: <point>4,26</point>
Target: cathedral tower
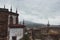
<point>3,24</point>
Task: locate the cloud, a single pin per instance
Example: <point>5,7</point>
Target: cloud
<point>38,11</point>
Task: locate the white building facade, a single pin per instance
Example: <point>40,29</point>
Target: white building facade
<point>17,32</point>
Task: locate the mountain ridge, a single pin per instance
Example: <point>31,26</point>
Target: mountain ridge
<point>33,25</point>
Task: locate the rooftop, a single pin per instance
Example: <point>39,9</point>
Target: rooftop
<point>3,10</point>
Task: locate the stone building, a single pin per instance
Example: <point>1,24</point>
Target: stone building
<point>45,33</point>
<point>16,31</point>
<point>3,24</point>
<point>8,22</point>
<point>42,34</point>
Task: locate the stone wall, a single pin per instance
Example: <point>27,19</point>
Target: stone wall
<point>3,25</point>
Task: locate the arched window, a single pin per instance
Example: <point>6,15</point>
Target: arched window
<point>11,20</point>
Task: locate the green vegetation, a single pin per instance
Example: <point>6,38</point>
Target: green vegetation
<point>26,37</point>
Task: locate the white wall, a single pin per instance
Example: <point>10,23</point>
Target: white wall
<point>14,19</point>
<point>16,32</point>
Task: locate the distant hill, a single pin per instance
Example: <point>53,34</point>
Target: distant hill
<point>36,25</point>
<point>32,24</point>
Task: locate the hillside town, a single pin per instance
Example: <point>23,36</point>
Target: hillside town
<point>10,29</point>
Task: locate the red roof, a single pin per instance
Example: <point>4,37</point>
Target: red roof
<point>17,26</point>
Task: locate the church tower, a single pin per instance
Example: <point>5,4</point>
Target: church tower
<point>13,17</point>
<point>48,25</point>
<point>7,18</point>
<point>3,24</point>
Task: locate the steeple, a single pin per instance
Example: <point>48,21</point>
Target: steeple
<point>48,28</point>
<point>23,22</point>
<point>11,9</point>
<point>48,24</point>
<point>16,10</point>
<point>4,6</point>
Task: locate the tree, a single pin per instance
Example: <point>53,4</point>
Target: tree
<point>26,37</point>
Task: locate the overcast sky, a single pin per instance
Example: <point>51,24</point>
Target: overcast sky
<point>38,11</point>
